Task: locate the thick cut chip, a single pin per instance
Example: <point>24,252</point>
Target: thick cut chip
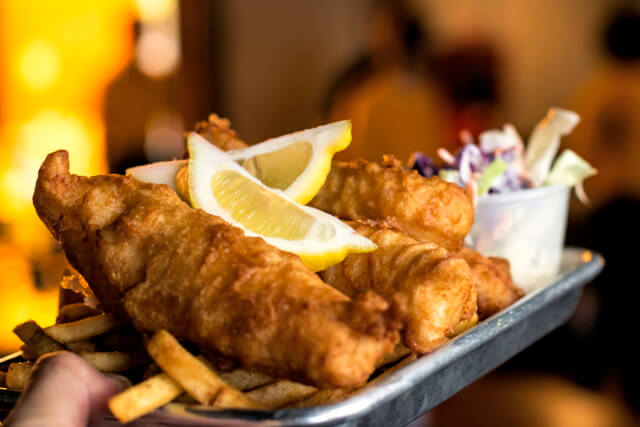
<point>83,329</point>
<point>144,397</point>
<point>109,361</point>
<point>280,393</point>
<point>18,375</point>
<point>194,376</point>
<point>37,342</point>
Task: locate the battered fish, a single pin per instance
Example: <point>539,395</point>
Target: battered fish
<point>427,209</point>
<point>155,261</point>
<point>217,130</point>
<point>437,286</point>
<point>492,279</point>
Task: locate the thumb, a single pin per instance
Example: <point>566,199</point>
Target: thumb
<point>64,390</point>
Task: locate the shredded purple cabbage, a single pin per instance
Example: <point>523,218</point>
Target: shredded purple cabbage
<point>471,160</point>
<point>425,165</point>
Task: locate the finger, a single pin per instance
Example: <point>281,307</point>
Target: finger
<point>64,390</point>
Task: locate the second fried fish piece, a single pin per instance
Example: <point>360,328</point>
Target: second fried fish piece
<point>440,296</point>
<point>492,279</point>
<point>427,209</point>
<point>153,260</point>
<point>218,131</point>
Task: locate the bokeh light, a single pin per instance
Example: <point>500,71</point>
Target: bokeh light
<point>164,136</point>
<point>19,298</point>
<point>57,61</point>
<point>157,53</point>
<point>39,65</point>
<point>155,10</point>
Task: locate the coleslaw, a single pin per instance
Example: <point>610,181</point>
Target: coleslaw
<point>498,162</point>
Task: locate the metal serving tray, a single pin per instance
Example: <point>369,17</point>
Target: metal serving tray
<point>413,390</point>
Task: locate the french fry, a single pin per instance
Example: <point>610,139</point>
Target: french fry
<point>27,353</point>
<point>194,376</point>
<point>36,341</point>
<point>18,375</point>
<point>240,379</point>
<point>82,346</point>
<point>324,397</point>
<point>182,370</point>
<point>280,393</point>
<point>244,380</point>
<point>109,361</point>
<point>144,397</point>
<point>76,311</point>
<point>9,357</point>
<point>82,329</point>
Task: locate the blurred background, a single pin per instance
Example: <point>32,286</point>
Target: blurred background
<point>117,82</point>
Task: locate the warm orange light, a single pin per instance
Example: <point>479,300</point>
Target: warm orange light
<point>157,53</point>
<point>57,60</point>
<point>587,256</point>
<point>19,299</point>
<point>155,10</point>
<point>39,65</point>
<point>47,131</point>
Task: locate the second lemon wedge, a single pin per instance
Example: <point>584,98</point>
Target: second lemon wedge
<point>296,163</point>
<point>221,187</point>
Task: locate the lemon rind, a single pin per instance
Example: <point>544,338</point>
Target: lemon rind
<point>323,254</point>
<point>336,136</point>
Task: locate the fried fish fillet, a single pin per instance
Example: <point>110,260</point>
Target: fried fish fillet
<point>155,261</point>
<point>427,209</point>
<point>492,279</point>
<point>438,288</point>
<point>217,130</point>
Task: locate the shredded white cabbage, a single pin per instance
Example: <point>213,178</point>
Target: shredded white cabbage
<point>570,170</point>
<point>545,142</point>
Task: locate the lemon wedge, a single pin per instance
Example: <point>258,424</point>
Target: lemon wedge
<point>158,172</point>
<point>221,187</point>
<point>297,163</point>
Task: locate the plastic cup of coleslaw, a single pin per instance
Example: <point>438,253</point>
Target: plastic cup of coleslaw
<point>521,195</point>
<point>527,227</point>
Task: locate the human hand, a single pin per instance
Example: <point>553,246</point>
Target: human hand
<point>64,391</point>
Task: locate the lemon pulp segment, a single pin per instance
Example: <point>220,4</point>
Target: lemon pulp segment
<point>262,212</point>
<point>278,169</point>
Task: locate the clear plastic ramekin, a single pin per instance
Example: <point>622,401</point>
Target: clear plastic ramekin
<point>528,228</point>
